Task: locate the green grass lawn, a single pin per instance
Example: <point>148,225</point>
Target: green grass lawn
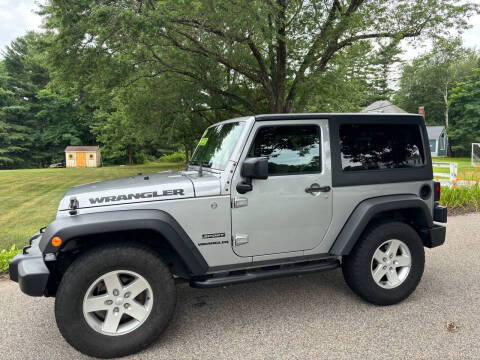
<point>29,198</point>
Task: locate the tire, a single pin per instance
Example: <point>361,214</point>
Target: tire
<point>360,266</point>
<point>125,262</point>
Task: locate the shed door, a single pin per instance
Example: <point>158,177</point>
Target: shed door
<point>81,159</point>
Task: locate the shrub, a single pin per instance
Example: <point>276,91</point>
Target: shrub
<point>6,255</point>
<point>139,158</point>
<point>173,158</point>
<point>461,196</point>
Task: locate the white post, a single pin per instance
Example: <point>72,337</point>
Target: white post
<point>473,165</point>
<point>453,171</point>
<point>475,154</point>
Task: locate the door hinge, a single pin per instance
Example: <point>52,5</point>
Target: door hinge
<point>238,202</point>
<point>240,239</point>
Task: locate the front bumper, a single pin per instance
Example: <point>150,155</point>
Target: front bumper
<point>29,269</point>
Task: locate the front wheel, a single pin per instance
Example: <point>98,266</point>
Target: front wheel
<point>115,300</point>
<point>386,264</point>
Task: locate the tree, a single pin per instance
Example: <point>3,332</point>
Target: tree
<point>430,78</point>
<point>465,99</point>
<point>151,117</point>
<point>249,56</point>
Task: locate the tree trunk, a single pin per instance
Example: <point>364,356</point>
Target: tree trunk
<point>280,76</point>
<point>445,99</point>
<point>446,118</point>
<point>129,152</point>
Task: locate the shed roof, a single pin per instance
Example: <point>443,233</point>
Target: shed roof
<point>81,148</point>
<point>434,132</point>
<point>383,106</point>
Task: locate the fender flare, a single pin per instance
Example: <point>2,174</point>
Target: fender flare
<point>368,209</point>
<point>71,227</point>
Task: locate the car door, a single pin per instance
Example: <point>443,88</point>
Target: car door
<point>292,209</point>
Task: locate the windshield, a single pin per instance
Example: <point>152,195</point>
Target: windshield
<point>216,145</point>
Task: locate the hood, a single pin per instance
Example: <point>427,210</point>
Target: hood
<point>142,188</point>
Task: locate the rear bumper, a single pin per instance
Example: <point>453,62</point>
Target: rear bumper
<point>435,236</point>
<point>29,269</point>
<point>440,214</point>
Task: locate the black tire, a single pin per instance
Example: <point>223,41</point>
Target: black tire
<point>89,267</point>
<point>357,265</point>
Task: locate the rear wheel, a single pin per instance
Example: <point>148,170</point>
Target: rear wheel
<point>386,264</point>
<point>115,300</point>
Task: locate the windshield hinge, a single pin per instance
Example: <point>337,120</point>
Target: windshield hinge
<point>238,202</point>
<point>240,239</point>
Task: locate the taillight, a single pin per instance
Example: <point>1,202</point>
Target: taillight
<point>436,191</point>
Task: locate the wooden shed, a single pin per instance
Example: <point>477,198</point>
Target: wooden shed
<point>83,156</point>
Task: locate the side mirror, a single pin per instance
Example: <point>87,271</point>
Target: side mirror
<point>255,168</point>
<point>252,168</point>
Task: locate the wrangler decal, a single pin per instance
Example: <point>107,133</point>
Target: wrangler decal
<point>214,243</point>
<point>144,195</point>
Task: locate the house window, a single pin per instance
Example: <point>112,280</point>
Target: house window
<point>91,156</point>
<point>442,141</point>
<point>70,156</point>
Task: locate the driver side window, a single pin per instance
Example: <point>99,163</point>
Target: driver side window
<point>290,149</point>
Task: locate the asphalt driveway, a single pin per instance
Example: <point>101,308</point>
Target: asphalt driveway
<point>308,317</point>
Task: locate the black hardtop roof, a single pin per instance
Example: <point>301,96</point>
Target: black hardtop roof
<point>306,116</point>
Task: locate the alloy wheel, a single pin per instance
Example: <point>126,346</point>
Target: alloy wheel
<point>118,302</point>
<point>391,264</point>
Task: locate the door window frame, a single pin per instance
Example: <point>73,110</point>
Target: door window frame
<point>249,144</point>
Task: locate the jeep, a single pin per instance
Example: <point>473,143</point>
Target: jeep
<point>262,197</point>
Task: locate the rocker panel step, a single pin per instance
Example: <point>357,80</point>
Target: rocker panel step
<point>258,275</point>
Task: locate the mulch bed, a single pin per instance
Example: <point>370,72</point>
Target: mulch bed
<point>461,210</point>
<point>4,276</point>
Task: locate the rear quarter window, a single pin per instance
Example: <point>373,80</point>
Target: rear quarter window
<point>380,146</point>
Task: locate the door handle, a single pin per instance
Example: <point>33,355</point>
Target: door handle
<point>314,188</point>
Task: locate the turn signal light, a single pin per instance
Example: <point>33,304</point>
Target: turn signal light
<point>56,241</point>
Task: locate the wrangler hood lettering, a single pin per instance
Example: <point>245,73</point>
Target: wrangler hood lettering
<point>141,189</point>
<point>144,195</point>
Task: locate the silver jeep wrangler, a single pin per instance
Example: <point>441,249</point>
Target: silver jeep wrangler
<point>262,197</point>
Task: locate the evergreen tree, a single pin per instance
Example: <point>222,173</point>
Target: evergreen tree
<point>380,69</point>
<point>37,121</point>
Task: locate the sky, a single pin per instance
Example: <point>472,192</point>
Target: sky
<point>18,16</point>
